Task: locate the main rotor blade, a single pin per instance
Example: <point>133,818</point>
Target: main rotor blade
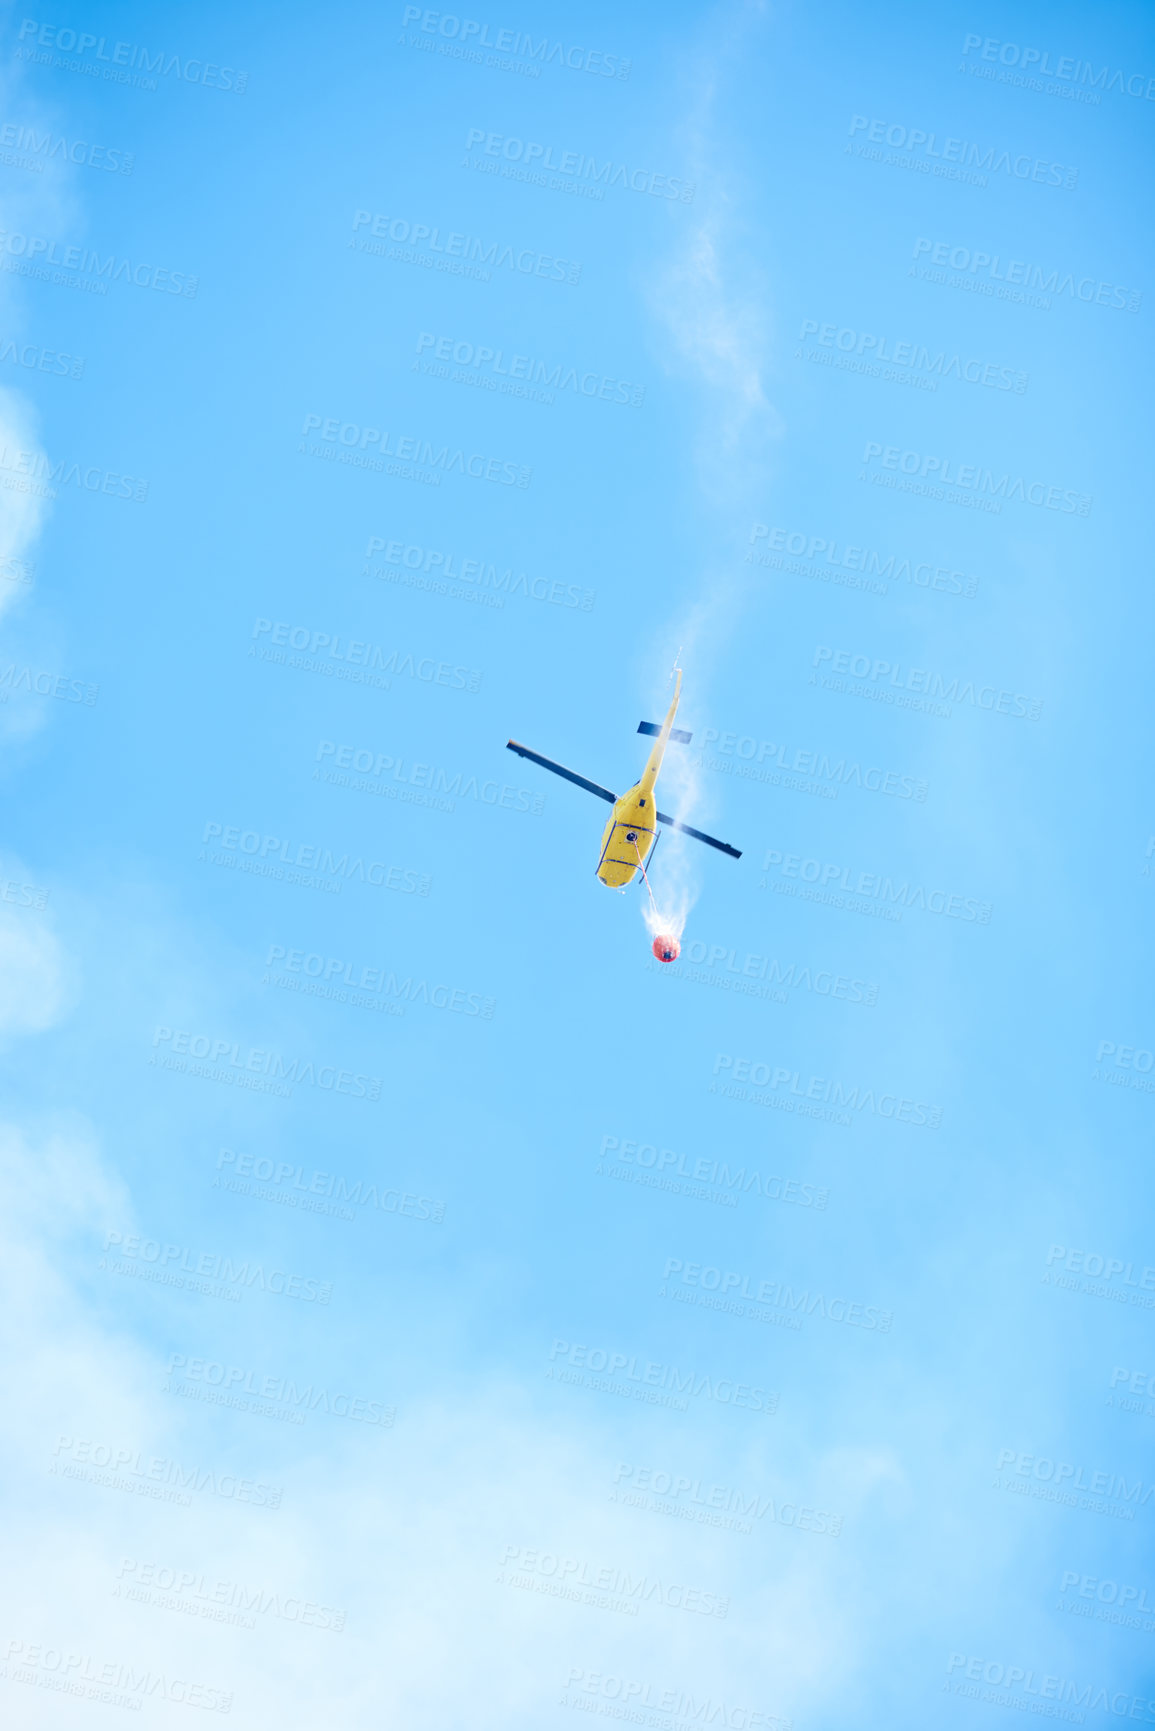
<point>568,774</point>
<point>700,835</point>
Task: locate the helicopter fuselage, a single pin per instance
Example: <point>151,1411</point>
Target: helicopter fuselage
<point>632,830</point>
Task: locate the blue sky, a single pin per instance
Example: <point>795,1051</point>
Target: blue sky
<point>423,1307</point>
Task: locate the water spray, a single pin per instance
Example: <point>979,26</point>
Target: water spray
<point>666,948</point>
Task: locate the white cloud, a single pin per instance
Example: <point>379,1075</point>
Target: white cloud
<point>21,508</point>
<point>32,973</point>
<point>44,204</point>
<point>406,1531</point>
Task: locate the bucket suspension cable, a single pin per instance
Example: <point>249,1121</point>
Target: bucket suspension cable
<point>642,864</point>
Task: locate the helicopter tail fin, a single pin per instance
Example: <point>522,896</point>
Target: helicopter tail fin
<point>653,728</point>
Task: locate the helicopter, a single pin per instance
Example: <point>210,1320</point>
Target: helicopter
<point>632,830</point>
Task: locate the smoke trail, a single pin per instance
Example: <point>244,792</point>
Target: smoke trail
<point>674,874</point>
<point>713,303</point>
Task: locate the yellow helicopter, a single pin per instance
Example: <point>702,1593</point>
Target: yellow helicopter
<point>631,832</point>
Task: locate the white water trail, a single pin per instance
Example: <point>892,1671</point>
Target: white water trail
<point>714,305</point>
